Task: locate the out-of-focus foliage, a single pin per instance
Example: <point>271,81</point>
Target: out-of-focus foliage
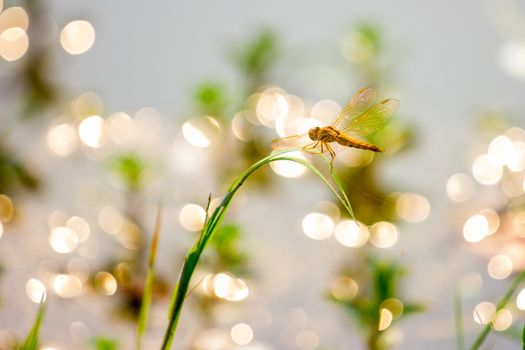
<point>104,343</point>
<point>255,60</point>
<point>131,169</point>
<point>379,282</point>
<point>227,250</point>
<point>15,174</point>
<point>211,99</point>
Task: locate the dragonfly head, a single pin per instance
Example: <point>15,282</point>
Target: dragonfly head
<point>313,133</point>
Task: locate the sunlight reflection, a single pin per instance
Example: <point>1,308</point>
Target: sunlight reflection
<point>77,37</point>
<point>318,226</point>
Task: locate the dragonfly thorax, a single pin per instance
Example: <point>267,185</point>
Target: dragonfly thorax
<point>325,134</point>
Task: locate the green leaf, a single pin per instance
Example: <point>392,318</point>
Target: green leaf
<point>31,342</point>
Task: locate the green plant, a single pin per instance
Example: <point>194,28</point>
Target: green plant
<point>31,342</point>
<point>520,277</point>
<point>212,223</point>
<point>379,283</point>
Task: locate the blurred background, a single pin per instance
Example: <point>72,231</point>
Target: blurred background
<point>110,109</point>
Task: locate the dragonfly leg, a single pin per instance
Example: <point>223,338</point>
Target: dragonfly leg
<point>332,155</point>
<point>310,148</point>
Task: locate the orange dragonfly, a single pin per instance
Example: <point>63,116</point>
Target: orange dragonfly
<point>359,118</point>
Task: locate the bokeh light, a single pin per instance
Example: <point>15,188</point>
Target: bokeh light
<point>226,286</point>
<point>7,209</point>
<point>344,288</point>
<point>511,59</point>
<point>500,267</point>
<point>475,228</point>
<point>484,312</point>
<point>318,226</point>
<point>63,239</point>
<point>287,168</point>
<point>492,220</point>
<point>80,226</point>
<point>35,290</point>
<point>92,131</point>
<point>271,107</point>
<point>192,217</point>
<point>383,234</point>
<point>460,187</point>
<point>351,233</point>
<point>503,320</point>
<point>77,37</point>
<point>201,131</point>
<point>500,150</point>
<point>67,286</point>
<point>412,207</point>
<point>110,220</point>
<point>385,319</point>
<point>395,306</point>
<point>105,283</point>
<point>486,170</point>
<point>241,334</point>
<point>86,105</point>
<point>62,139</point>
<point>14,17</point>
<point>325,111</point>
<point>121,128</point>
<point>520,300</point>
<point>13,43</point>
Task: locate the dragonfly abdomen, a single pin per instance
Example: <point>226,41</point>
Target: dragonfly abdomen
<point>350,142</point>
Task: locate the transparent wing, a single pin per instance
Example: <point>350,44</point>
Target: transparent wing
<point>295,141</point>
<point>359,103</point>
<point>373,120</point>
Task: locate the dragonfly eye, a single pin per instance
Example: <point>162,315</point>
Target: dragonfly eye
<point>313,133</point>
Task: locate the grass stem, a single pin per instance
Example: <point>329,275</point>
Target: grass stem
<point>192,257</point>
<point>501,304</point>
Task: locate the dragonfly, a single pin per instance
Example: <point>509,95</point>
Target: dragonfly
<point>358,119</point>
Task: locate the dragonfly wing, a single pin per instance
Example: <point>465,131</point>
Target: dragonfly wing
<point>295,141</point>
<point>373,120</point>
<point>359,104</point>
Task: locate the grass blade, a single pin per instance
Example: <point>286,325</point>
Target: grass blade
<point>502,303</point>
<point>458,313</point>
<point>31,342</point>
<point>192,257</point>
<point>523,338</point>
<point>148,288</point>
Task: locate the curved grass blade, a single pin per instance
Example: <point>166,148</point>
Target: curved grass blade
<point>148,288</point>
<point>31,342</point>
<point>502,303</point>
<point>192,257</point>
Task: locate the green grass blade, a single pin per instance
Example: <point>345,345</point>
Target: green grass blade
<point>458,313</point>
<point>192,257</point>
<point>523,338</point>
<point>502,303</point>
<point>148,288</point>
<point>31,342</point>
